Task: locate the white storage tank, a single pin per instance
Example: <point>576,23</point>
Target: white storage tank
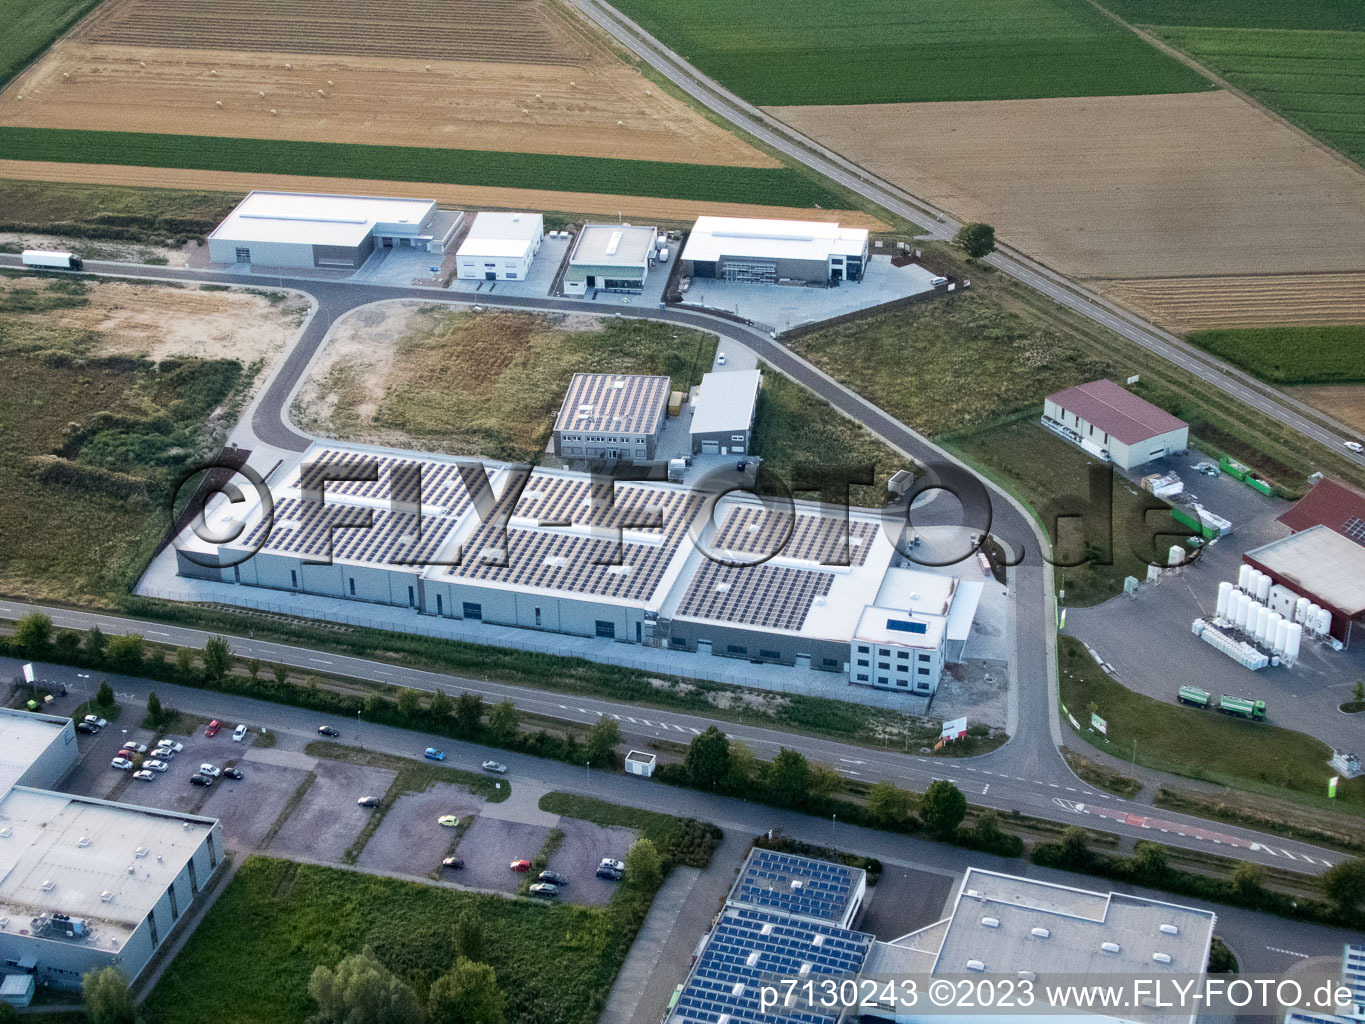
<point>1243,576</point>
<point>1262,617</point>
<point>1262,586</point>
<point>1300,610</point>
<point>1291,648</point>
<point>1281,643</point>
<point>1310,618</point>
<point>1242,609</point>
<point>1272,629</point>
<point>1224,596</point>
<point>1324,621</point>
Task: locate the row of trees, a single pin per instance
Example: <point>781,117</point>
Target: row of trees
<point>361,990</point>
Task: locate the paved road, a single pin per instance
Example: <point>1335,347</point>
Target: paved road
<point>1262,942</point>
<point>939,224</point>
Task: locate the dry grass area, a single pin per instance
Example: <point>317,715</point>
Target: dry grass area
<point>1274,300</point>
<point>646,208</point>
<point>1343,402</point>
<point>1122,186</point>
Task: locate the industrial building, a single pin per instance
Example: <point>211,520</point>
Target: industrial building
<point>1113,423</point>
<point>642,562</point>
<point>610,258</point>
<point>772,251</point>
<point>611,416</point>
<point>1353,980</point>
<point>500,247</point>
<point>299,229</point>
<point>1330,504</point>
<point>723,412</point>
<point>84,883</point>
<point>1324,567</point>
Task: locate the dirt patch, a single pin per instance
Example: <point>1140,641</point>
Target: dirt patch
<point>596,107</point>
<point>646,208</point>
<point>1122,186</point>
<point>341,395</point>
<point>101,249</point>
<point>1343,402</point>
<point>1271,300</point>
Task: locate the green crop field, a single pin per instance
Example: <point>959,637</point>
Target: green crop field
<point>776,186</point>
<point>30,25</point>
<point>1342,14</point>
<point>1291,355</point>
<point>1314,79</point>
<point>889,51</point>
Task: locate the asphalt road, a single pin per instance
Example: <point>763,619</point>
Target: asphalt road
<point>939,224</point>
<point>1262,942</point>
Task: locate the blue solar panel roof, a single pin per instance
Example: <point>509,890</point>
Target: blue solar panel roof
<point>749,946</point>
<point>796,885</point>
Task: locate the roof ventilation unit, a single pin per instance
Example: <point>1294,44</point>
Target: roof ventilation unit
<point>796,884</point>
<point>737,989</point>
<point>6,832</point>
<point>48,885</point>
<point>1162,958</point>
<point>819,940</point>
<point>751,959</point>
<point>614,243</point>
<point>1109,947</point>
<point>1027,975</point>
<point>83,842</point>
<point>107,896</point>
<point>141,851</point>
<point>991,922</point>
<point>976,965</point>
<point>1040,933</point>
<point>1170,929</point>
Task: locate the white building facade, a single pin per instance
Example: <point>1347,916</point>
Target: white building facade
<point>500,247</point>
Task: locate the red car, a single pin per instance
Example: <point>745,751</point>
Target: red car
<point>125,752</point>
<point>213,727</point>
<point>521,865</point>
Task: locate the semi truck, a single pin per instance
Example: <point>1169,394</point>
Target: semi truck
<point>51,260</point>
<point>1194,696</point>
<point>1242,707</point>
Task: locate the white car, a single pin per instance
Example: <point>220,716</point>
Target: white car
<point>156,766</point>
<point>1355,446</point>
<point>136,748</point>
<point>615,865</point>
<point>494,766</point>
<point>165,744</point>
<point>121,763</point>
<point>720,359</point>
<point>96,721</point>
<point>210,770</point>
<point>239,734</point>
<point>144,776</point>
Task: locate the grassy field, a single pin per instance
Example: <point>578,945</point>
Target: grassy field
<point>1314,14</point>
<point>106,211</point>
<point>30,25</point>
<point>1253,756</point>
<point>1291,355</point>
<point>277,920</point>
<point>814,52</point>
<point>777,186</point>
<point>679,840</point>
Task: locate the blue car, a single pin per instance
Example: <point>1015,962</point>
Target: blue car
<point>433,754</point>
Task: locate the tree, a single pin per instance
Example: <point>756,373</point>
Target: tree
<point>184,662</point>
<point>603,739</point>
<point>33,633</point>
<point>467,994</point>
<point>824,780</point>
<point>1150,861</point>
<point>253,669</point>
<point>441,705</point>
<point>1344,884</point>
<point>104,696</point>
<point>469,714</point>
<point>504,721</point>
<point>280,674</point>
<point>788,778</point>
<point>409,703</point>
<point>888,803</point>
<point>8,1014</point>
<point>1076,847</point>
<point>470,939</point>
<point>94,645</point>
<point>155,713</point>
<point>743,768</point>
<point>708,758</point>
<point>107,999</point>
<point>361,990</point>
<point>1358,691</point>
<point>1221,959</point>
<point>1247,879</point>
<point>217,658</point>
<point>975,239</point>
<point>66,646</point>
<point>126,652</point>
<point>986,832</point>
<point>942,809</point>
<point>644,866</point>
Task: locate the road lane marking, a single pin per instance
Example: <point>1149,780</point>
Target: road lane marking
<point>1288,952</point>
<point>319,661</point>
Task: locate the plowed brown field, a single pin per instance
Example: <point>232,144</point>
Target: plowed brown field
<point>645,208</point>
<point>1121,186</point>
<point>1194,303</point>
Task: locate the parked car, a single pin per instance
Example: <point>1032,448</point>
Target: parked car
<point>544,889</point>
<point>454,863</point>
<point>164,753</point>
<point>327,730</point>
<point>155,766</point>
<point>121,763</point>
<point>144,776</point>
<point>87,728</point>
<point>553,877</point>
<point>200,780</point>
<point>610,874</point>
<point>96,721</point>
<point>137,748</point>
<point>448,820</point>
<point>720,359</point>
<point>615,865</point>
<point>1355,446</point>
<point>209,769</point>
<point>520,865</point>
<point>233,773</point>
<point>212,728</point>
<point>368,801</point>
<point>239,734</point>
<point>432,754</point>
<point>169,746</point>
<point>126,753</point>
<point>494,766</point>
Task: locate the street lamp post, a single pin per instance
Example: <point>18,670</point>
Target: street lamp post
<point>357,725</point>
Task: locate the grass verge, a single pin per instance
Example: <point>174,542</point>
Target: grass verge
<point>1276,817</point>
<point>684,841</point>
<point>1101,777</point>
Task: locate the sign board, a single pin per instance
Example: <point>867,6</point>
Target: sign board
<point>1332,787</point>
<point>1134,378</point>
<point>1099,724</point>
<point>1061,619</point>
<point>953,730</point>
<point>28,673</point>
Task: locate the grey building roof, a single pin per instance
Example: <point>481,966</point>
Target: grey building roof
<point>726,401</point>
<point>23,738</point>
<point>1320,561</point>
<point>308,218</point>
<point>613,245</point>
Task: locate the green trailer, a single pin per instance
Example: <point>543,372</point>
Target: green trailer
<point>1232,468</point>
<point>1256,483</point>
<point>1194,696</point>
<point>1242,707</point>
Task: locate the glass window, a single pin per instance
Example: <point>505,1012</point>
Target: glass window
<point>606,629</point>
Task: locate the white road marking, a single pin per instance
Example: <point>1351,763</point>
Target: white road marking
<point>1288,952</point>
<point>156,632</point>
<point>319,661</point>
<point>986,790</point>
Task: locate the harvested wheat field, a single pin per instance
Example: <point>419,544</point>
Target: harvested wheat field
<point>1275,300</point>
<point>1343,402</point>
<point>1118,186</point>
<point>501,75</point>
<point>462,196</point>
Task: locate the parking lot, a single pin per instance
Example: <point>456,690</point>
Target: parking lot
<point>410,840</point>
<point>250,806</point>
<point>328,819</point>
<point>491,845</point>
<point>583,848</point>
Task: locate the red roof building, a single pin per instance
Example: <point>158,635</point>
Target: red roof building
<point>1330,504</point>
<point>1130,429</point>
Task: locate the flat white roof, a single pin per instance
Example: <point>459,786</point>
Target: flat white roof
<point>902,629</point>
<point>613,245</point>
<point>726,401</point>
<point>714,237</point>
<point>502,235</point>
<point>23,738</point>
<point>1320,561</point>
<point>307,218</point>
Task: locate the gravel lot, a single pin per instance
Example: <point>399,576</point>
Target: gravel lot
<point>584,846</point>
<point>904,900</point>
<point>490,845</point>
<point>250,806</point>
<point>410,840</point>
<point>328,819</point>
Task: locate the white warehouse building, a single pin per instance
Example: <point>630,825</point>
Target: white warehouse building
<point>768,251</point>
<point>500,247</point>
<point>300,229</point>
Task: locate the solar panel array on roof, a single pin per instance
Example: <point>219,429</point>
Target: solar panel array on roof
<point>613,402</point>
<point>822,890</point>
<point>440,486</point>
<point>748,946</point>
<point>325,532</point>
<point>776,597</point>
<point>752,529</point>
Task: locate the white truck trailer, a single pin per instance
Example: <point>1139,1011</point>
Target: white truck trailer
<point>51,260</point>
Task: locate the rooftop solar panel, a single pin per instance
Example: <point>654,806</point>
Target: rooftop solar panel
<point>441,486</point>
<point>798,885</point>
<point>771,596</point>
<point>753,530</point>
<point>327,532</point>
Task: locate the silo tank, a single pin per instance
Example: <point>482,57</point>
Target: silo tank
<point>1282,635</point>
<point>1224,596</point>
<point>1262,587</point>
